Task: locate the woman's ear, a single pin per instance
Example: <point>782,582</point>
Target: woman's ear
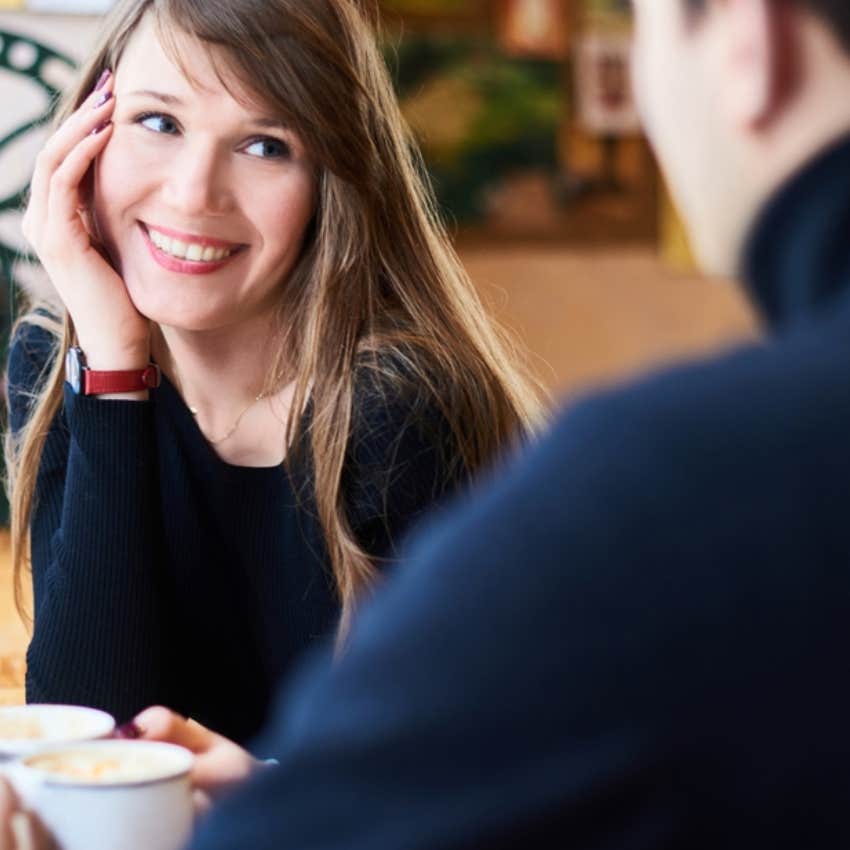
<point>760,61</point>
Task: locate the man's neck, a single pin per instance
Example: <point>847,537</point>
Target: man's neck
<point>797,257</point>
<point>817,116</point>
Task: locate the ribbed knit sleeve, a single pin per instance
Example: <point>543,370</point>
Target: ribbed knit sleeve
<point>96,548</point>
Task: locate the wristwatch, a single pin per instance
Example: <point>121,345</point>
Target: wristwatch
<point>85,381</point>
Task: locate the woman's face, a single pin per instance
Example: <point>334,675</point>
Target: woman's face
<point>201,200</point>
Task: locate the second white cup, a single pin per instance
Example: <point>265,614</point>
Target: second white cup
<point>106,795</point>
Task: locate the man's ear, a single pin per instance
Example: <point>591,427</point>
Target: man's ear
<point>760,59</point>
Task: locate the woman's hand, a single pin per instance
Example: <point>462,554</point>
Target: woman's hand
<point>112,332</point>
<point>19,830</point>
<point>219,763</point>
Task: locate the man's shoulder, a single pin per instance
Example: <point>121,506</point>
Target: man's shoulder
<point>754,400</point>
<point>671,493</point>
<point>754,436</point>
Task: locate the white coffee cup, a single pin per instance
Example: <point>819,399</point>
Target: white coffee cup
<point>27,728</point>
<point>109,795</point>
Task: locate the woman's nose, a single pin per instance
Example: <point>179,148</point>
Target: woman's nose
<point>197,183</point>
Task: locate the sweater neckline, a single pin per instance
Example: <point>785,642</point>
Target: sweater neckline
<point>193,431</point>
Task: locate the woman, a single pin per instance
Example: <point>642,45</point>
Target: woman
<point>230,208</point>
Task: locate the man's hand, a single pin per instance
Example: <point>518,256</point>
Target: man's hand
<point>19,830</point>
<point>219,763</point>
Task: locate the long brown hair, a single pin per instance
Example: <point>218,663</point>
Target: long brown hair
<point>377,274</point>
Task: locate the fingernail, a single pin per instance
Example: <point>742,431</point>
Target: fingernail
<point>101,82</point>
<point>106,96</point>
<point>129,731</point>
<point>100,128</point>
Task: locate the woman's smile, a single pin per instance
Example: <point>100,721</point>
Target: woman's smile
<point>186,253</point>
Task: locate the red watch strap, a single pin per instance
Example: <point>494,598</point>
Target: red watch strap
<point>94,382</point>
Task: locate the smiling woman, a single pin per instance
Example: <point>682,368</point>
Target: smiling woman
<point>274,360</point>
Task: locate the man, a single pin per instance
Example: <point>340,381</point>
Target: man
<point>636,637</point>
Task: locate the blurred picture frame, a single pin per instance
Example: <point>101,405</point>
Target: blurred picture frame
<point>445,9</point>
<point>534,28</point>
<point>69,7</point>
<point>604,95</point>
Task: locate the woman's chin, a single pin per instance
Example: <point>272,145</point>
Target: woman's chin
<point>168,312</point>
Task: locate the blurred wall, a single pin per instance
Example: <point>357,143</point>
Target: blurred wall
<point>29,77</point>
<point>599,315</point>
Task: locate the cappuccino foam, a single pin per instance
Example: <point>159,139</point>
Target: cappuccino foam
<point>20,729</point>
<point>101,767</point>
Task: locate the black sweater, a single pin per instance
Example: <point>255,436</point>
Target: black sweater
<point>635,640</point>
<point>164,575</point>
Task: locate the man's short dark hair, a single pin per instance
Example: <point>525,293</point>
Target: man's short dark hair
<point>836,13</point>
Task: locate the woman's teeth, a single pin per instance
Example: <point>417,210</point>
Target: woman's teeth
<point>192,251</point>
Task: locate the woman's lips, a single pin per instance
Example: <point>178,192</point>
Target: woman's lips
<point>189,267</point>
<point>205,241</point>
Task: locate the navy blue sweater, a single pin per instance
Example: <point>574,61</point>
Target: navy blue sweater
<point>638,637</point>
<point>164,575</point>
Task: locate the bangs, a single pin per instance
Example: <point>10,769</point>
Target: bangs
<point>242,73</point>
<point>304,64</point>
<point>236,72</point>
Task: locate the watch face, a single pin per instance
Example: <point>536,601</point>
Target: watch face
<point>74,369</point>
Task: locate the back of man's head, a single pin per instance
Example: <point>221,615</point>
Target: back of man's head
<point>736,96</point>
<point>835,13</point>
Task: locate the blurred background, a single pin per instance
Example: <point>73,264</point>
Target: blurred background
<point>524,112</point>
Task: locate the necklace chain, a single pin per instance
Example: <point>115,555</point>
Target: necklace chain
<point>232,431</point>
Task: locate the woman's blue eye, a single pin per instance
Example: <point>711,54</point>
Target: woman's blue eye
<point>159,124</point>
<point>268,149</point>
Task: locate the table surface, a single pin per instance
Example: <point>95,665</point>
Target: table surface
<point>13,634</point>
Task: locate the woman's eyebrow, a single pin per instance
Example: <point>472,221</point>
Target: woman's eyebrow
<point>170,99</point>
<point>173,100</point>
<point>270,123</point>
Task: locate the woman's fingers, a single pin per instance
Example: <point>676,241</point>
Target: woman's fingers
<point>222,765</point>
<point>20,830</point>
<point>41,838</point>
<point>96,108</point>
<point>162,724</point>
<point>219,763</point>
<point>8,807</point>
<point>30,833</point>
<point>64,200</point>
<point>95,112</point>
<point>201,802</point>
<point>63,236</point>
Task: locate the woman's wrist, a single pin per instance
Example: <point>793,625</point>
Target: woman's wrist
<point>110,357</point>
<point>106,358</point>
<point>113,349</point>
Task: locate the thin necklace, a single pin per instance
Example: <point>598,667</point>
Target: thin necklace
<point>232,431</point>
